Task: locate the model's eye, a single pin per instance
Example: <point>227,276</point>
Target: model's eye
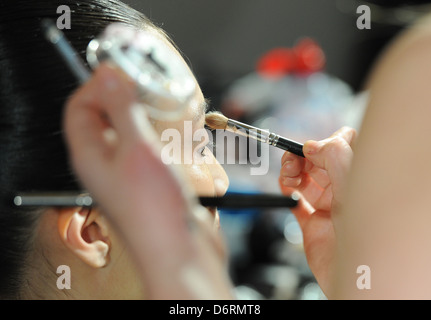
<point>208,148</point>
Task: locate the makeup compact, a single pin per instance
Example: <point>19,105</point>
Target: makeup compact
<point>164,82</point>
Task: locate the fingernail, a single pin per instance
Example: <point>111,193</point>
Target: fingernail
<point>291,182</point>
<point>311,147</point>
<point>286,168</point>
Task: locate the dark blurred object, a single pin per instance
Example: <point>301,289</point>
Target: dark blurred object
<point>398,13</point>
<point>388,19</point>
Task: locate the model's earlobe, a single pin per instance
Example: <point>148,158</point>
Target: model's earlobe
<point>85,233</point>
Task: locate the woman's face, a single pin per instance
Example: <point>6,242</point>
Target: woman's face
<point>204,174</point>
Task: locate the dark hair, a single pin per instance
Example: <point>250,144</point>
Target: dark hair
<point>34,85</point>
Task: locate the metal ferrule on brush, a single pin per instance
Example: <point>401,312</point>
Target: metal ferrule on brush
<point>265,136</point>
<point>273,139</point>
<point>250,131</point>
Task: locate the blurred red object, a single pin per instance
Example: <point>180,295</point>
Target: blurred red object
<point>306,57</point>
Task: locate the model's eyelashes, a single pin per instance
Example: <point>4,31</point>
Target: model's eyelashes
<point>202,151</point>
<point>209,146</point>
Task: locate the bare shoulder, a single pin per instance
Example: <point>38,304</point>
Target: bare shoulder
<point>399,110</point>
<point>386,222</point>
<point>406,48</point>
<point>400,91</point>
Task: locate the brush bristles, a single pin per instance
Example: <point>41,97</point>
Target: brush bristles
<point>215,120</point>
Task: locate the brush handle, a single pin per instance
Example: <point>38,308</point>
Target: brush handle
<point>73,199</point>
<point>67,52</point>
<point>264,136</point>
<point>250,201</point>
<point>290,145</point>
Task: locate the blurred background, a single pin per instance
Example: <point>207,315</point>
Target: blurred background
<point>297,68</point>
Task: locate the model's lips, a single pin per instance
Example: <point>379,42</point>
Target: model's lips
<point>214,212</point>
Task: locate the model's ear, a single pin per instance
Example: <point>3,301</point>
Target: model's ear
<point>85,232</point>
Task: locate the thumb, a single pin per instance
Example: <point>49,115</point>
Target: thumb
<point>334,155</point>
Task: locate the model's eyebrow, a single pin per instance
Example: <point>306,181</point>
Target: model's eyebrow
<point>202,110</point>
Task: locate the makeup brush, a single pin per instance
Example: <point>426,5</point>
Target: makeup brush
<point>230,200</point>
<point>216,120</point>
<point>69,55</point>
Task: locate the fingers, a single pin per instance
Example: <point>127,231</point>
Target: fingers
<point>334,155</point>
<point>105,101</point>
<point>145,199</point>
<point>348,134</point>
<point>294,168</point>
<point>291,169</point>
<point>303,209</point>
<point>335,149</point>
<point>324,168</point>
